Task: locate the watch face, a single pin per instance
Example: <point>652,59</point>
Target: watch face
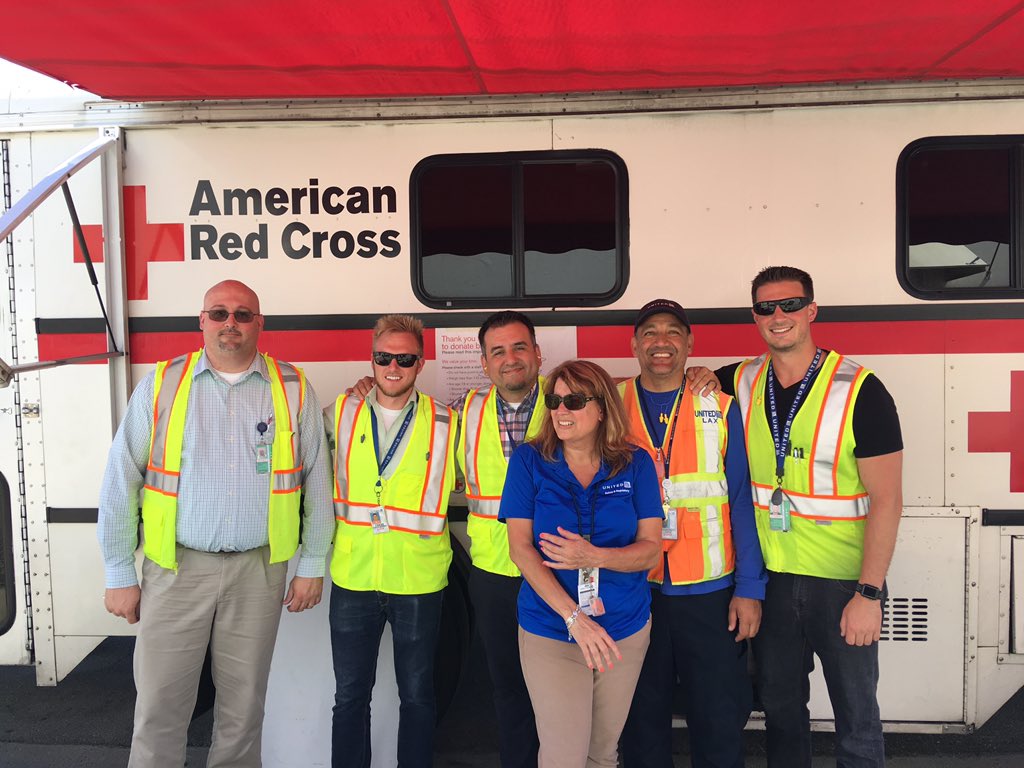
<point>869,591</point>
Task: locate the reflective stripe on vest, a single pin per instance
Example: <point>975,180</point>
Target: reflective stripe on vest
<point>830,504</point>
<point>704,548</point>
<point>423,513</point>
<point>482,457</point>
<point>171,389</point>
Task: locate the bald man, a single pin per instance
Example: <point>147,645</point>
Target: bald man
<point>206,438</point>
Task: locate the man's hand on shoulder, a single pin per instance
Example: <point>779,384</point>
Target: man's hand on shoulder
<point>861,623</point>
<point>303,593</point>
<point>361,388</point>
<point>123,602</point>
<point>702,381</point>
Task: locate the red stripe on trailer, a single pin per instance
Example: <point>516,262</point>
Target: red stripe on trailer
<point>58,346</point>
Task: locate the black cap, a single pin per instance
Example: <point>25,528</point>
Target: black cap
<point>658,306</point>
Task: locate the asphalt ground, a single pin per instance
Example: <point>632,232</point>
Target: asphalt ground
<point>86,721</point>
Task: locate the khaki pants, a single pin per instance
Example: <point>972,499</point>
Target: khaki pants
<point>580,712</point>
<point>231,603</point>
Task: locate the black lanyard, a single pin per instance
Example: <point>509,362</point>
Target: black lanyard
<point>382,464</point>
<point>782,442</point>
<point>670,431</point>
<point>593,510</point>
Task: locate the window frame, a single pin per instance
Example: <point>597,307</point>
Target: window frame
<point>1013,142</point>
<point>518,160</point>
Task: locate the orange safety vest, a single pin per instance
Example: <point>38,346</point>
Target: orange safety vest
<point>703,550</point>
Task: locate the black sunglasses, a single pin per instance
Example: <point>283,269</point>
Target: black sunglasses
<point>573,402</point>
<point>788,305</point>
<point>243,316</point>
<point>404,359</point>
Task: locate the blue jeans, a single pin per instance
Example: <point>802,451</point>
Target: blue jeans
<point>801,618</point>
<point>357,622</point>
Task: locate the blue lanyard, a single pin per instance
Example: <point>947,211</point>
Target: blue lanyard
<point>782,444</point>
<point>670,431</point>
<point>508,428</point>
<point>382,464</point>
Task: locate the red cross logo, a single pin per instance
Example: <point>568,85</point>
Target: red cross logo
<point>144,242</point>
<point>1002,432</point>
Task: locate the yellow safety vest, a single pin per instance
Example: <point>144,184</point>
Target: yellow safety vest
<point>160,493</point>
<point>829,502</point>
<point>412,558</point>
<point>482,460</point>
<point>704,549</point>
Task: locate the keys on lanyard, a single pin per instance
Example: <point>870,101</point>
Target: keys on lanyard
<point>378,515</point>
<point>780,506</point>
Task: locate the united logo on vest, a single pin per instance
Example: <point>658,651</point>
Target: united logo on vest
<point>700,493</point>
<point>830,504</point>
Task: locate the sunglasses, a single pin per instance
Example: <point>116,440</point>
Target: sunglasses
<point>794,304</point>
<point>243,316</point>
<point>404,359</point>
<point>573,402</point>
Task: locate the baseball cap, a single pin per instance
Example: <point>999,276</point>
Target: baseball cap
<point>658,306</point>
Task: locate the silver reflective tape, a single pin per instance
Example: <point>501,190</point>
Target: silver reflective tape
<point>841,509</point>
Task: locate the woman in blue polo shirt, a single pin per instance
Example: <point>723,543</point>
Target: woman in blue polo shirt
<point>584,516</point>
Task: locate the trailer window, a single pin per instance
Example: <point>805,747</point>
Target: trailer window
<point>958,221</point>
<point>519,229</point>
<point>7,596</point>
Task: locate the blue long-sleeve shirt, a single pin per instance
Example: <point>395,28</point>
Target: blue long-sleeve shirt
<point>750,576</point>
<point>222,498</point>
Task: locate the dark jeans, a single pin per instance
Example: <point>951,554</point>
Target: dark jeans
<point>690,639</point>
<point>801,618</point>
<point>357,622</point>
<point>495,598</point>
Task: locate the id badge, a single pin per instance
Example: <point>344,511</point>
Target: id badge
<point>262,459</point>
<point>670,526</point>
<point>779,511</point>
<point>379,520</point>
<point>587,591</point>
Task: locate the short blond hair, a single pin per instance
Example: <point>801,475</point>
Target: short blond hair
<point>399,324</point>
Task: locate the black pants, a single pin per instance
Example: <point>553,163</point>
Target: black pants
<point>494,599</point>
<point>690,639</point>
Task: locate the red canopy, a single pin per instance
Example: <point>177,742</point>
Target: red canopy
<point>213,49</point>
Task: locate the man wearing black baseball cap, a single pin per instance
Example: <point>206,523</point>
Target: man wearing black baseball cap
<point>707,590</point>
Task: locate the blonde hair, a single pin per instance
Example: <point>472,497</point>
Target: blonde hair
<point>592,380</point>
<point>399,324</point>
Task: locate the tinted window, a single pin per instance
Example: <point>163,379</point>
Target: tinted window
<point>8,605</point>
<point>959,236</point>
<point>519,229</point>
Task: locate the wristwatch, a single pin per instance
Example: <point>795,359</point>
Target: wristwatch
<point>869,591</point>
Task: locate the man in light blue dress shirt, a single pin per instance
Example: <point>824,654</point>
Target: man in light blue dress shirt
<point>217,586</point>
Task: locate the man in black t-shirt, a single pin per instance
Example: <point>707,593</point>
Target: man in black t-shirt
<point>825,450</point>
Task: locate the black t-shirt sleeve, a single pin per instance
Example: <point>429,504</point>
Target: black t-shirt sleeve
<point>876,424</point>
<point>727,377</point>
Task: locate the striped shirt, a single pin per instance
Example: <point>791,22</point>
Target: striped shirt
<point>222,498</point>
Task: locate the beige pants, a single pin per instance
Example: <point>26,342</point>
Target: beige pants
<point>231,603</point>
<point>580,712</point>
